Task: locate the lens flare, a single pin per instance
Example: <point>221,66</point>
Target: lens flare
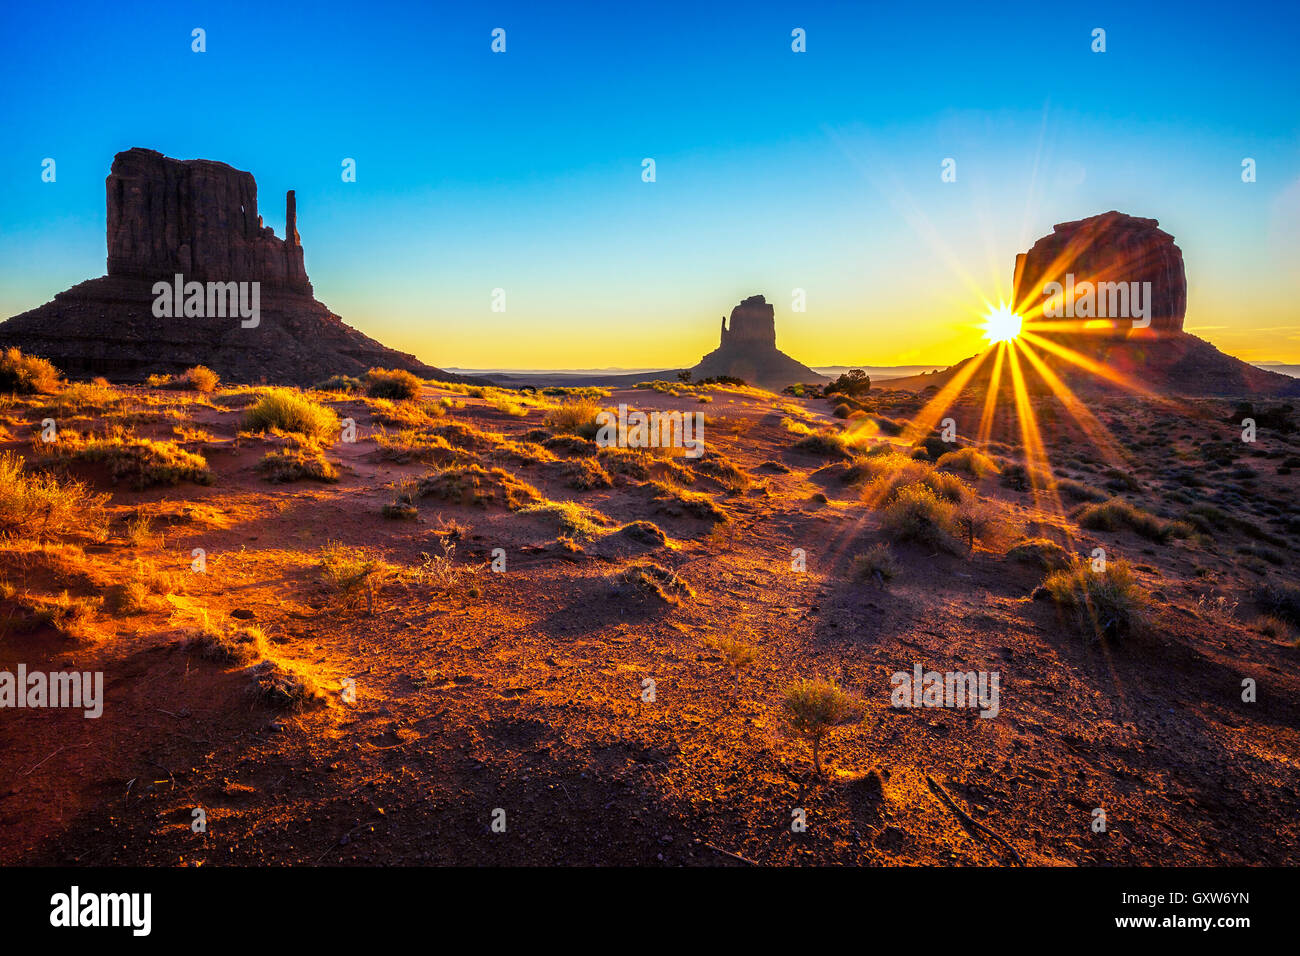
<point>1001,324</point>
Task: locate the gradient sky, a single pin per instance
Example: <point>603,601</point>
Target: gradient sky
<point>775,170</point>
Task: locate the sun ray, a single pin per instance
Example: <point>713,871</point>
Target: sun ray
<point>1090,365</point>
<point>991,396</point>
<point>1097,432</point>
<point>1038,469</point>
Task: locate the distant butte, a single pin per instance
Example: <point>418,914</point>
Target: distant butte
<point>748,350</point>
<point>197,218</point>
<point>1111,247</point>
<point>1114,247</point>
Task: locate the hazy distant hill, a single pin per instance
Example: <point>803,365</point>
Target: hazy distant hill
<point>1280,367</point>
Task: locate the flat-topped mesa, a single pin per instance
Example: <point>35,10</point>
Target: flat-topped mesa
<point>199,218</point>
<point>1109,248</point>
<point>753,323</point>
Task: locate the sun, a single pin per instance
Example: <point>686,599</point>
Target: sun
<point>1001,324</point>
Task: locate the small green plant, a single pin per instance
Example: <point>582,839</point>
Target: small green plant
<point>815,707</point>
<point>1042,552</point>
<point>1108,603</point>
<point>27,374</point>
<point>39,506</point>
<point>878,563</point>
<point>918,514</point>
<point>974,463</point>
<point>394,384</point>
<point>199,379</point>
<point>736,655</point>
<point>296,464</point>
<point>576,416</point>
<point>290,411</point>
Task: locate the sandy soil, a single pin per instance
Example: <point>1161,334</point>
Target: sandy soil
<point>521,690</point>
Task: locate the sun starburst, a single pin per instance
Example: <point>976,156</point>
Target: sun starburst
<point>1001,324</point>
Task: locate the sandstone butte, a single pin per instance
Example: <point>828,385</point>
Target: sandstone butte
<point>1162,358</point>
<point>197,218</point>
<point>747,350</point>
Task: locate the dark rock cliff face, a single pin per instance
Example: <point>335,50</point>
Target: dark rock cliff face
<point>198,219</point>
<point>748,350</point>
<point>1111,248</point>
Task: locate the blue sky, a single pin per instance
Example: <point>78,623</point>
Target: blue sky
<point>775,170</point>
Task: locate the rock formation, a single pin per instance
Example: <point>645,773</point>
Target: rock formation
<point>1108,248</point>
<point>197,219</point>
<point>1163,358</point>
<point>748,350</point>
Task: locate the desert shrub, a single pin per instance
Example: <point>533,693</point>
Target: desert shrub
<point>974,463</point>
<point>574,520</point>
<point>290,411</point>
<point>631,462</point>
<point>918,514</point>
<point>696,504</point>
<point>1022,477</point>
<point>476,485</point>
<point>736,654</point>
<point>341,383</point>
<point>144,462</point>
<point>724,472</point>
<point>39,506</point>
<point>1118,514</point>
<point>826,442</point>
<point>239,644</point>
<point>853,382</point>
<point>27,374</point>
<point>947,486</point>
<point>1108,603</point>
<point>576,416</point>
<point>394,384</point>
<point>278,685</point>
<point>644,532</point>
<point>645,579</point>
<point>199,379</point>
<point>353,573</point>
<point>586,474</point>
<point>1042,552</point>
<point>1212,521</point>
<point>973,519</point>
<point>82,397</point>
<point>569,445</point>
<point>815,707</point>
<point>889,426</point>
<point>877,563</point>
<point>411,444</point>
<point>1079,491</point>
<point>295,464</point>
<point>1119,480</point>
<point>841,411</point>
<point>64,613</point>
<point>1272,626</point>
<point>1280,600</point>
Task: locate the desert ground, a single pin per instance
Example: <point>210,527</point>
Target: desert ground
<point>304,637</point>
